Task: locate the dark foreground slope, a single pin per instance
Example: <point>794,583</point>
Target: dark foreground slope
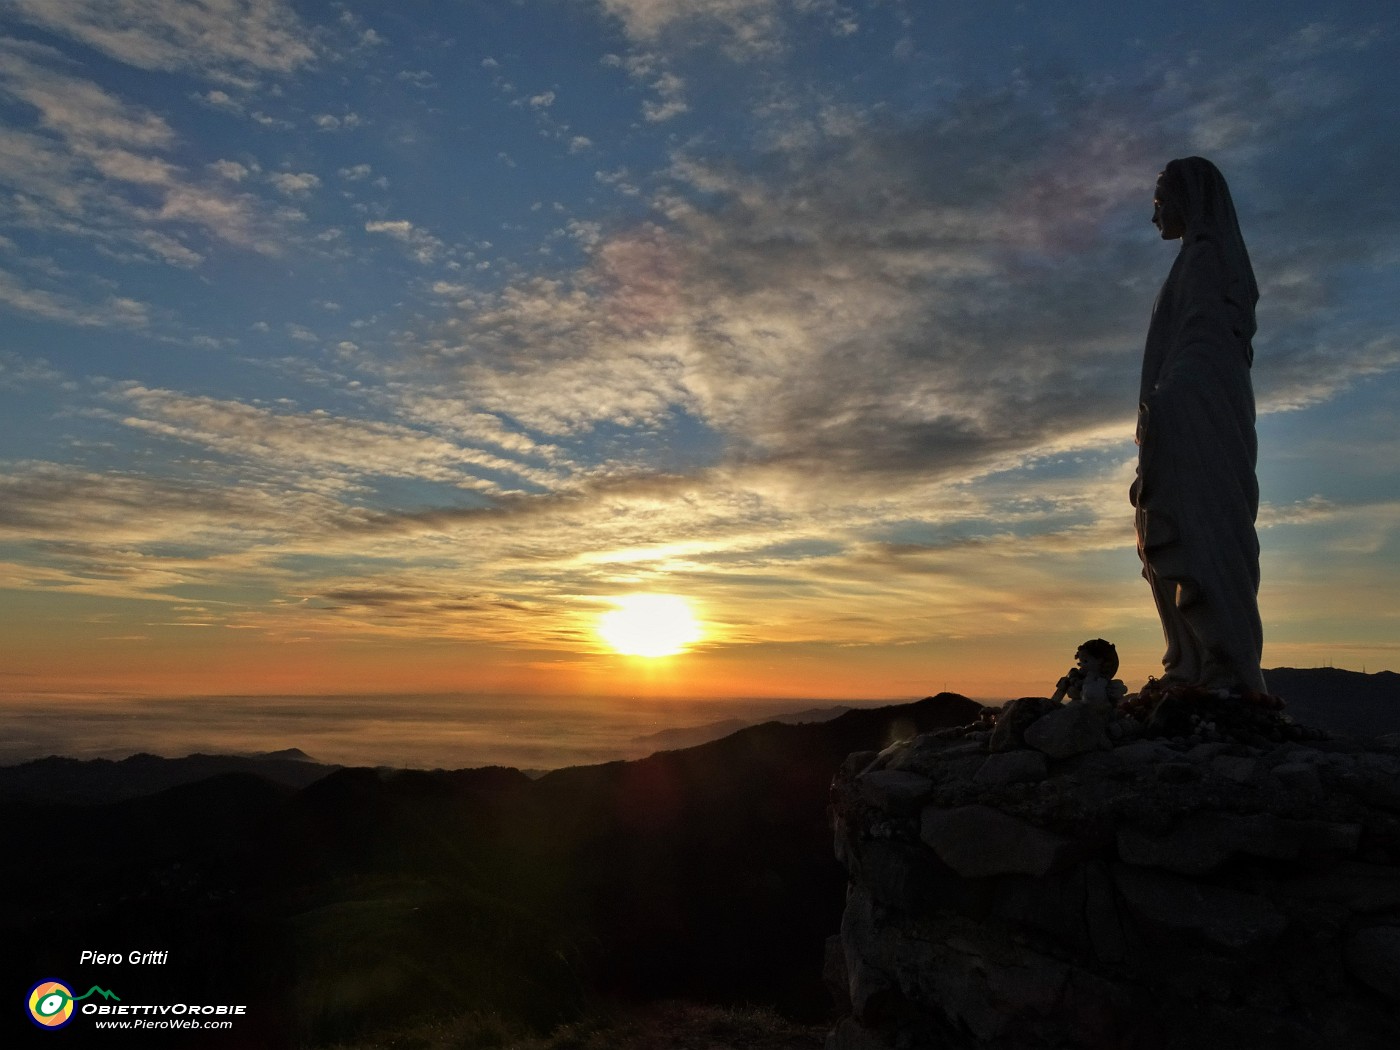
<point>370,897</point>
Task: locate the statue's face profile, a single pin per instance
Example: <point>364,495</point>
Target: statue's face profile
<point>1167,213</point>
<point>1088,662</point>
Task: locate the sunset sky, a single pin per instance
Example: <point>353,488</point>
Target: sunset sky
<point>358,347</point>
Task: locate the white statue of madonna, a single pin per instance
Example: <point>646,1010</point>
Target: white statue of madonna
<point>1196,495</point>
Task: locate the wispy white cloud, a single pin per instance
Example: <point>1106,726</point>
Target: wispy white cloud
<point>221,100</point>
<point>421,244</point>
<point>239,219</point>
<point>842,309</point>
<point>744,27</point>
<point>78,110</point>
<point>90,167</point>
<point>745,30</point>
<point>42,170</point>
<point>17,372</point>
<point>650,69</point>
<point>340,450</point>
<point>671,102</point>
<point>213,38</point>
<point>294,184</point>
<point>792,317</point>
<point>333,122</point>
<point>231,170</point>
<point>111,312</point>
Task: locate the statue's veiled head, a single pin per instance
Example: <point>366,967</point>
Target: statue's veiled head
<point>1192,202</point>
<point>1195,195</point>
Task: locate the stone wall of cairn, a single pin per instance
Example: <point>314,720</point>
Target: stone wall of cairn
<point>1155,877</point>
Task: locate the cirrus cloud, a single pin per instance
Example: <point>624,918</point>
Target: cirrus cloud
<point>215,38</point>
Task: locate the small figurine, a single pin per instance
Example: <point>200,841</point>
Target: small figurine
<point>1091,681</point>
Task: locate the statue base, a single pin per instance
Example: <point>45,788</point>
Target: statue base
<point>1164,709</point>
<point>1167,875</point>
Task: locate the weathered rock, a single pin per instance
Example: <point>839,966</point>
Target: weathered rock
<point>872,992</point>
<point>927,751</point>
<point>893,874</point>
<point>894,790</point>
<point>1234,768</point>
<point>1373,955</point>
<point>1207,751</point>
<point>1383,765</point>
<point>1078,907</point>
<point>1363,888</point>
<point>1376,781</point>
<point>1144,753</point>
<point>1178,772</point>
<point>978,841</point>
<point>834,973</point>
<point>936,758</point>
<point>1326,835</point>
<point>1012,767</point>
<point>850,1034</point>
<point>1211,915</point>
<point>1109,942</point>
<point>1170,716</point>
<point>1203,841</point>
<point>1069,731</point>
<point>1299,776</point>
<point>1152,895</point>
<point>857,762</point>
<point>1013,720</point>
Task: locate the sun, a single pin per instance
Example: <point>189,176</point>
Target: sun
<point>649,625</point>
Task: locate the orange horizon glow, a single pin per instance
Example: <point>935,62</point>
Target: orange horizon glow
<point>213,661</point>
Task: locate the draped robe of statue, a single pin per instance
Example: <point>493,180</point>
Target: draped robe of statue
<point>1196,495</point>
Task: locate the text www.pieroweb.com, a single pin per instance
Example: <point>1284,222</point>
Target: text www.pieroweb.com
<point>204,1018</point>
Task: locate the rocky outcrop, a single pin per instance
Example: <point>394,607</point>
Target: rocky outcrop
<point>1068,879</point>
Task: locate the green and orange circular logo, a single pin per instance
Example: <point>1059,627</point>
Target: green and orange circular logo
<point>51,1004</point>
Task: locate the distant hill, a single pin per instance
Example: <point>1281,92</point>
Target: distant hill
<point>1346,702</point>
<point>690,736</point>
<point>295,753</point>
<point>84,781</point>
<point>371,895</point>
<point>81,781</point>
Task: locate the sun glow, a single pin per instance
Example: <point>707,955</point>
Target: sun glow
<point>649,625</point>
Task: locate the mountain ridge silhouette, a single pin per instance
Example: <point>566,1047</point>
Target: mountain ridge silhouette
<point>704,873</point>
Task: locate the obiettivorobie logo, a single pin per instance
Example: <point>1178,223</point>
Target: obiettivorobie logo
<point>51,1002</point>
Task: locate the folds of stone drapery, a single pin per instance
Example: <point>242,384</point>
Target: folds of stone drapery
<point>1197,495</point>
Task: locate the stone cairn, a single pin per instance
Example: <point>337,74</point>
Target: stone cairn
<point>1170,871</point>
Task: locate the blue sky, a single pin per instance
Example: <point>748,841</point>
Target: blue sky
<point>357,345</point>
